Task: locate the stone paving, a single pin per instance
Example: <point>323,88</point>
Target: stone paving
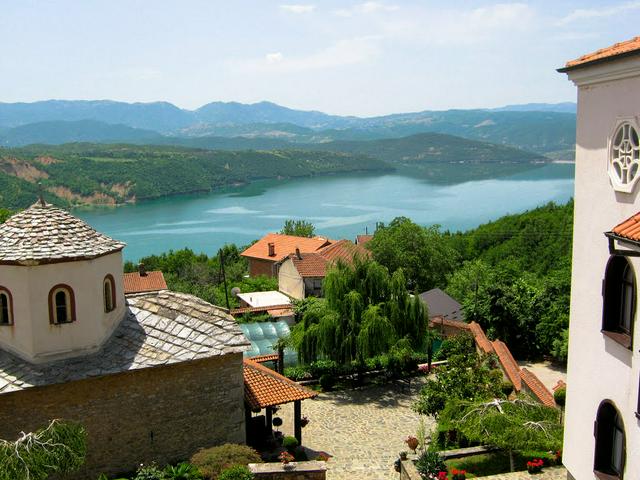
<point>363,429</point>
<point>555,473</point>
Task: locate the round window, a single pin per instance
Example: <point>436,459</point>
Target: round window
<point>624,161</point>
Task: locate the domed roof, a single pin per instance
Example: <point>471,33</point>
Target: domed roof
<point>47,234</point>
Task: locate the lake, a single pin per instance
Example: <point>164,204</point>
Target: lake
<point>339,206</point>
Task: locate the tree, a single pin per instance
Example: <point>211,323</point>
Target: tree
<point>5,214</point>
<point>58,448</point>
<point>298,228</point>
<point>422,253</point>
<point>521,424</point>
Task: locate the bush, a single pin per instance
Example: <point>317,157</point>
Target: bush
<point>182,471</point>
<point>212,461</point>
<point>297,373</point>
<point>560,396</point>
<point>327,382</point>
<point>429,464</point>
<point>506,387</point>
<point>237,472</point>
<point>290,443</point>
<point>149,472</point>
<point>323,367</point>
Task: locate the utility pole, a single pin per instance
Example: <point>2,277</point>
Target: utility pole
<point>224,277</point>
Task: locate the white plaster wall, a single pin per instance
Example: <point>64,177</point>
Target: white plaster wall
<point>32,336</point>
<point>289,280</point>
<point>599,368</point>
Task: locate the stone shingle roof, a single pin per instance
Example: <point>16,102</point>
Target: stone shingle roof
<point>45,234</point>
<point>158,329</point>
<point>265,388</point>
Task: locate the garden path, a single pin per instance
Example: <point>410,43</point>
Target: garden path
<point>363,429</point>
<point>555,473</point>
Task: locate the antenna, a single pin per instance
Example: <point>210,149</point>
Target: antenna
<point>41,195</point>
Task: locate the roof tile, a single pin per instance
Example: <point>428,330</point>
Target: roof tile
<point>316,264</point>
<point>509,364</point>
<point>151,282</point>
<point>534,384</point>
<point>265,388</point>
<point>283,246</point>
<point>481,339</point>
<point>629,229</point>
<point>611,52</point>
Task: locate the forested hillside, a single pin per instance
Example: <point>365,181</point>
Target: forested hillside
<point>110,174</point>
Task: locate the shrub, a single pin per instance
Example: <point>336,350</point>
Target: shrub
<point>237,472</point>
<point>300,454</point>
<point>212,461</point>
<point>290,443</point>
<point>297,373</point>
<point>323,367</point>
<point>327,382</point>
<point>182,471</point>
<point>149,472</point>
<point>430,464</point>
<point>506,387</point>
<point>560,396</point>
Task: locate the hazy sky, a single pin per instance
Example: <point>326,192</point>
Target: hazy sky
<point>361,58</point>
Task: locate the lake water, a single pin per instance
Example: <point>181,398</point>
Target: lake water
<point>339,207</point>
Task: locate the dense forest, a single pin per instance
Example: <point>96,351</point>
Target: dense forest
<point>110,174</point>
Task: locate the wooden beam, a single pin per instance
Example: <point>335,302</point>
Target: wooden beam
<point>297,417</point>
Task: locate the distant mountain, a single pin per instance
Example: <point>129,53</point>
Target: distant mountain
<point>564,107</point>
<point>535,127</point>
<point>59,132</point>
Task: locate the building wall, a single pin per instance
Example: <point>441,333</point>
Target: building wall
<point>313,286</point>
<point>261,267</point>
<point>598,367</point>
<point>289,280</point>
<point>32,336</point>
<point>161,414</point>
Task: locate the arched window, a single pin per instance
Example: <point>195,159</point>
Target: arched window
<point>610,454</point>
<point>109,293</point>
<point>619,300</point>
<point>6,307</point>
<point>62,308</point>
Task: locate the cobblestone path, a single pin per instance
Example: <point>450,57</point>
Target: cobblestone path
<point>362,429</point>
<point>555,473</point>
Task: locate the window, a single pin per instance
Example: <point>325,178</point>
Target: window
<point>109,293</point>
<point>624,157</point>
<point>619,300</point>
<point>6,307</point>
<point>62,308</point>
<point>610,454</point>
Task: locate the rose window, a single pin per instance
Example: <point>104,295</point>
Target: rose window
<point>625,158</point>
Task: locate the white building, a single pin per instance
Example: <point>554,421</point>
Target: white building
<point>602,426</point>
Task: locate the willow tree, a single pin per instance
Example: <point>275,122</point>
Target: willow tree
<point>521,424</point>
<point>59,448</point>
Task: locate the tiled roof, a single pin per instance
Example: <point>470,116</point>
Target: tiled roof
<point>362,239</point>
<point>283,246</point>
<point>151,282</point>
<point>158,329</point>
<point>265,388</point>
<point>439,320</point>
<point>609,53</point>
<point>46,234</point>
<point>242,310</point>
<point>559,385</point>
<point>280,312</point>
<point>272,357</point>
<point>440,303</point>
<point>509,364</point>
<point>316,264</point>
<point>629,229</point>
<point>534,384</point>
<point>481,339</point>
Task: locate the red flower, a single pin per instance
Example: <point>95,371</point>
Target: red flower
<point>442,475</point>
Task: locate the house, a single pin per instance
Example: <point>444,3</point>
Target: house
<point>300,274</point>
<point>602,426</point>
<point>363,239</point>
<point>152,376</point>
<point>143,281</point>
<point>263,299</point>
<point>265,255</point>
<point>439,304</point>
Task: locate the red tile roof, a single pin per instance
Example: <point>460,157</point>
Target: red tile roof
<point>559,385</point>
<point>242,310</point>
<point>609,53</point>
<point>283,246</point>
<point>151,282</point>
<point>362,239</point>
<point>629,229</point>
<point>509,364</point>
<point>439,320</point>
<point>272,357</point>
<point>316,264</point>
<point>481,339</point>
<point>534,384</point>
<point>265,388</point>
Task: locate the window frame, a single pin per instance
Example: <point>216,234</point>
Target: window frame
<point>53,312</point>
<point>615,297</point>
<point>616,425</point>
<point>5,291</point>
<point>112,288</point>
<point>619,184</point>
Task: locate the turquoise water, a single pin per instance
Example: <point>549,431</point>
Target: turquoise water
<point>339,206</point>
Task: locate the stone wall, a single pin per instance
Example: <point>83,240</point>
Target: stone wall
<point>302,471</point>
<point>408,471</point>
<point>161,414</point>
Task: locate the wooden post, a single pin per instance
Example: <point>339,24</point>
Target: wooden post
<point>297,416</point>
<point>269,420</point>
<point>248,424</point>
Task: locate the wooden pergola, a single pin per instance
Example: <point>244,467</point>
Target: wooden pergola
<point>264,389</point>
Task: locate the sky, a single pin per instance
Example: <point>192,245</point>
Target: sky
<point>344,57</point>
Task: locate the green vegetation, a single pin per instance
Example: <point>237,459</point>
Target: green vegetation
<point>237,472</point>
<point>59,448</point>
<point>93,173</point>
<point>298,228</point>
<point>212,461</point>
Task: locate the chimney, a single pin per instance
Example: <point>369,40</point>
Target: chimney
<point>272,249</point>
<point>141,270</point>
<point>298,254</point>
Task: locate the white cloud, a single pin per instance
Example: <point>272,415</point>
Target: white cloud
<point>297,8</point>
<point>600,12</point>
<point>344,52</point>
<point>365,8</point>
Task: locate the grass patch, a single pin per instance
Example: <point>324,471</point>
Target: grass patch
<point>487,464</point>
